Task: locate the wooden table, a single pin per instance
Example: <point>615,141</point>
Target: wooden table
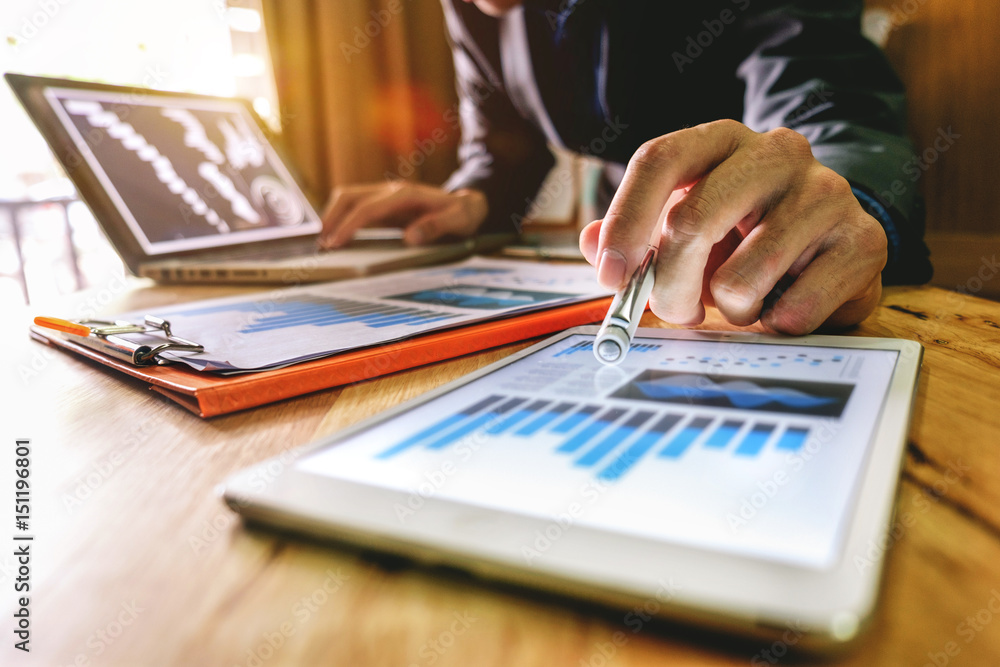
<point>136,561</point>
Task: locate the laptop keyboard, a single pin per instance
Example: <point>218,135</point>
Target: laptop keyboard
<point>285,250</point>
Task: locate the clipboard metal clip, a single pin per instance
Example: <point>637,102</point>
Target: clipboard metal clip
<point>107,337</point>
<point>173,344</point>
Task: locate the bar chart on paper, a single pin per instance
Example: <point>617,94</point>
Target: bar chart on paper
<point>321,312</point>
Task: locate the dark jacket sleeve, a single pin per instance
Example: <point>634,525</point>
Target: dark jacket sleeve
<point>501,153</point>
<point>810,68</point>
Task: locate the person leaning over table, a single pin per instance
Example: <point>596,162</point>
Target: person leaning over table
<point>771,134</point>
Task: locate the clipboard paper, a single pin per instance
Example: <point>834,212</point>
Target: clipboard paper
<point>210,395</point>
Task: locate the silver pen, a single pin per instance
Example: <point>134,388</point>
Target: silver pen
<point>615,335</point>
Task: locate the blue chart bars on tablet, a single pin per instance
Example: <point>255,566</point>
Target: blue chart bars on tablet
<point>588,347</point>
<point>322,311</point>
<point>608,439</point>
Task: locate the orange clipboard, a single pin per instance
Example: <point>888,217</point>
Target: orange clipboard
<point>208,395</point>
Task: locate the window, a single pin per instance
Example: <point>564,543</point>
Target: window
<point>202,46</point>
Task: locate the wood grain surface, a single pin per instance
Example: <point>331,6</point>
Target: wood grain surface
<point>137,562</point>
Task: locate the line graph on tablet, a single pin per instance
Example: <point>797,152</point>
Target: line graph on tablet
<point>820,399</point>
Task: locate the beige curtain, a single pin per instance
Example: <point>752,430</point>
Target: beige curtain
<point>365,90</point>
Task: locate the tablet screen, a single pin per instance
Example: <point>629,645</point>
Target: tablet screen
<point>752,449</point>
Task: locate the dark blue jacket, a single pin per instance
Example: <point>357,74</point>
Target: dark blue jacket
<point>609,75</point>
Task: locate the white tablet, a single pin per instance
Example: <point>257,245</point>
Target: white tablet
<point>737,480</point>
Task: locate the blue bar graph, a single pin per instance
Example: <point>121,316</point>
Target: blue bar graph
<point>591,430</point>
<point>609,440</point>
<point>474,424</point>
<point>540,422</point>
<point>620,465</point>
<point>618,436</point>
<point>583,346</point>
<point>685,438</point>
<point>438,427</point>
<point>793,438</point>
<point>517,417</point>
<point>755,440</point>
<point>322,311</point>
<point>575,419</point>
<point>588,346</point>
<point>722,435</point>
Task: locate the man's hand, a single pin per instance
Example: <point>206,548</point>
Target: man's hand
<point>733,213</point>
<point>426,212</point>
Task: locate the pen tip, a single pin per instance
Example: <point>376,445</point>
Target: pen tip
<point>608,351</point>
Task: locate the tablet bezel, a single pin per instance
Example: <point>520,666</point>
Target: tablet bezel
<point>823,609</point>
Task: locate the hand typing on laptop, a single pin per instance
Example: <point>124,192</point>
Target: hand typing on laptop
<point>426,212</point>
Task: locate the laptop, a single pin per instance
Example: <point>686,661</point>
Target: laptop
<point>189,188</point>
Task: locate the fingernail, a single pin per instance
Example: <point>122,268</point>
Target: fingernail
<point>611,270</point>
<point>414,236</point>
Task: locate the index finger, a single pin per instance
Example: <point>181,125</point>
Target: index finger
<point>659,167</point>
<point>342,201</point>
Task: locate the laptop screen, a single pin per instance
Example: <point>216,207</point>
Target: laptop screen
<point>185,173</point>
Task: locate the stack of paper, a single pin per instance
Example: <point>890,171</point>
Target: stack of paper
<point>292,325</point>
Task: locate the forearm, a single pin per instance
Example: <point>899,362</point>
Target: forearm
<point>501,154</point>
<point>509,186</point>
